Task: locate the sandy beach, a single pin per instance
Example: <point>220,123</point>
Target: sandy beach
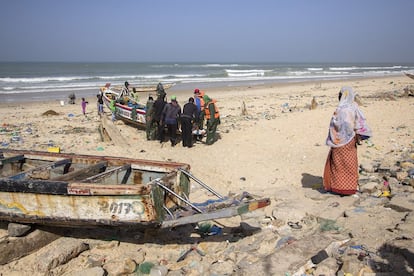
<point>276,150</point>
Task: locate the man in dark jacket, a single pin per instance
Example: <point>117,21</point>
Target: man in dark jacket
<point>158,107</point>
<point>188,117</point>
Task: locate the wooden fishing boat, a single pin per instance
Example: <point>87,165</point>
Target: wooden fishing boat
<point>65,189</point>
<point>129,109</point>
<point>142,88</point>
<point>411,76</point>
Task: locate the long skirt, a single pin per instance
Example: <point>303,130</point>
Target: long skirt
<point>341,170</point>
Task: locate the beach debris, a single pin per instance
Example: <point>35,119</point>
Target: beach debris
<point>53,149</point>
<point>207,229</point>
<point>284,241</point>
<point>294,225</point>
<point>244,109</point>
<point>192,248</point>
<point>50,112</point>
<point>314,104</point>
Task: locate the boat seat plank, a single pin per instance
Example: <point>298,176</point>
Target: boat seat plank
<point>81,173</point>
<point>99,177</point>
<point>12,159</point>
<point>34,186</point>
<point>63,162</point>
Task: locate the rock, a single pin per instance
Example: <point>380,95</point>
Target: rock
<point>158,270</point>
<point>120,267</point>
<point>93,271</point>
<point>407,165</point>
<point>108,245</point>
<point>222,268</point>
<point>370,187</point>
<point>367,167</point>
<point>402,202</point>
<point>401,175</point>
<point>60,252</point>
<point>333,207</point>
<point>15,248</point>
<point>17,229</point>
<point>285,260</point>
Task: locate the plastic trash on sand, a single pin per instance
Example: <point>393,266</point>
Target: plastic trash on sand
<point>53,149</point>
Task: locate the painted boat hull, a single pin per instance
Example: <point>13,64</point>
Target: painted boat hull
<point>411,76</point>
<point>42,195</point>
<point>132,114</point>
<point>85,190</point>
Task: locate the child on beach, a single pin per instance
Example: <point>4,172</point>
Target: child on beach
<point>84,103</point>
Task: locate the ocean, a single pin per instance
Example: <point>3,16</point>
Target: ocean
<point>31,81</point>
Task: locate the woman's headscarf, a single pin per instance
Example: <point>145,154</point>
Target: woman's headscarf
<point>347,120</point>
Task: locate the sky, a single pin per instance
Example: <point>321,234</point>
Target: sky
<point>207,31</point>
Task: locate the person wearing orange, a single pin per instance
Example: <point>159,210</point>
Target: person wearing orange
<point>212,116</point>
<point>199,102</point>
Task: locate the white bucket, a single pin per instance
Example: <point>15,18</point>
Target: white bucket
<point>62,103</point>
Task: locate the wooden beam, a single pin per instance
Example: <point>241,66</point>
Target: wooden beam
<point>81,173</point>
<point>114,133</point>
<point>64,162</point>
<point>11,159</point>
<point>98,177</point>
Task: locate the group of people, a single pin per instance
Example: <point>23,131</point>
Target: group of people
<point>347,128</point>
<point>161,114</point>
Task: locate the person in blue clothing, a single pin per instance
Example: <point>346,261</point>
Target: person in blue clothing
<point>170,116</point>
<point>200,104</point>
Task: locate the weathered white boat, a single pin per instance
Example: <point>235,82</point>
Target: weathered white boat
<point>142,88</point>
<point>85,190</point>
<point>128,109</point>
<point>411,76</point>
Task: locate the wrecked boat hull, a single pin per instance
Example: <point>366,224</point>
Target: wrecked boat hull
<point>84,190</point>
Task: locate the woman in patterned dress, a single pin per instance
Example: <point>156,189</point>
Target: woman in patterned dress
<point>347,128</point>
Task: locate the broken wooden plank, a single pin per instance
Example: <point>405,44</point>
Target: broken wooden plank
<point>11,159</point>
<point>114,133</point>
<point>81,173</point>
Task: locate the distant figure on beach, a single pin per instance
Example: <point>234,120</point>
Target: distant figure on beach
<point>160,90</point>
<point>346,130</point>
<point>188,117</point>
<point>72,98</point>
<point>170,116</point>
<point>150,124</point>
<point>212,116</point>
<point>100,102</point>
<point>158,107</point>
<point>83,104</point>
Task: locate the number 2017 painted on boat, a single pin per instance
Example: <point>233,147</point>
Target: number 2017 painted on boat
<point>123,207</point>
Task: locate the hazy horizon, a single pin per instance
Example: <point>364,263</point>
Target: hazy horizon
<point>161,31</point>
